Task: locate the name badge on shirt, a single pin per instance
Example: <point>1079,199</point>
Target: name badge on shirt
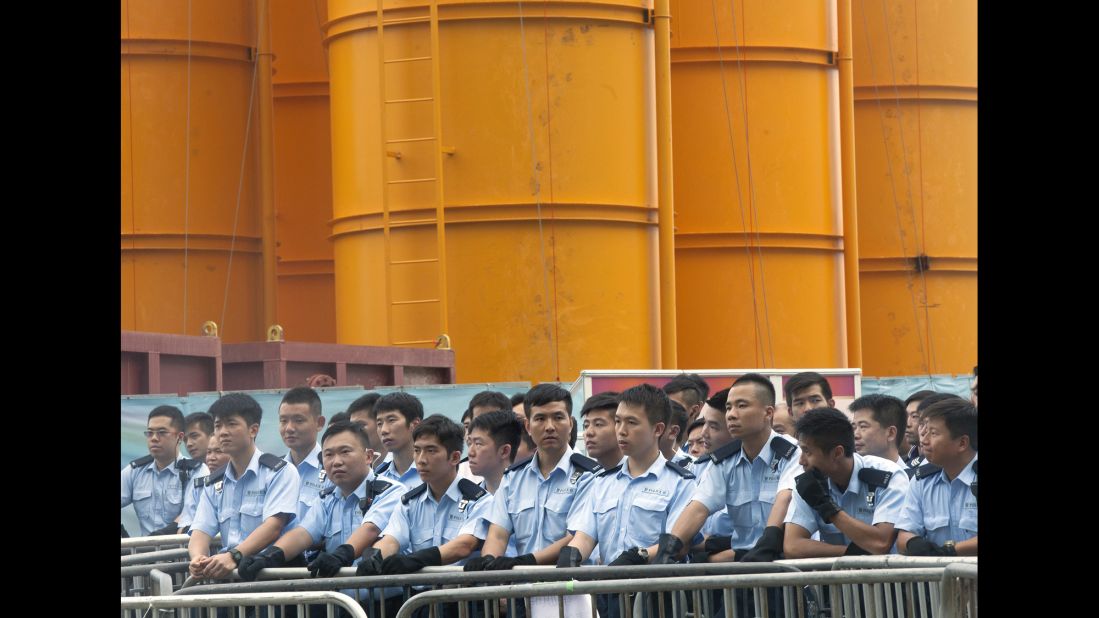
<point>453,517</point>
<point>656,492</point>
<point>255,492</point>
<point>564,490</point>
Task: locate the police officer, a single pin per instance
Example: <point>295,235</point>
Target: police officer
<point>718,529</point>
<point>940,511</point>
<point>249,501</point>
<point>216,459</point>
<point>397,416</point>
<point>356,498</point>
<point>155,483</point>
<point>879,426</point>
<point>852,500</point>
<point>300,420</point>
<point>537,496</point>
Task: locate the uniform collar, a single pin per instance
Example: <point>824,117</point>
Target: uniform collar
<point>311,459</point>
<point>967,476</point>
<point>452,492</point>
<point>766,454</point>
<point>854,486</point>
<point>360,491</point>
<point>253,467</point>
<point>654,469</point>
<point>562,464</point>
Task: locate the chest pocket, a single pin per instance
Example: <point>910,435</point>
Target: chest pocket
<point>769,487</point>
<point>142,497</point>
<point>251,510</point>
<point>647,518</point>
<point>742,511</point>
<point>556,516</point>
<point>173,493</point>
<point>523,518</point>
<point>936,522</point>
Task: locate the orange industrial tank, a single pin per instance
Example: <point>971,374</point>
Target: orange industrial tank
<point>516,142</point>
<point>190,222</point>
<point>759,233</point>
<point>916,135</point>
<point>303,171</point>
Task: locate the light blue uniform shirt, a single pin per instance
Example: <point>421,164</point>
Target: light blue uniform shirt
<point>235,507</point>
<point>717,524</point>
<point>158,496</point>
<point>620,511</point>
<point>410,478</point>
<point>940,509</point>
<point>886,507</point>
<point>312,478</point>
<point>534,509</point>
<point>336,516</point>
<point>510,550</point>
<point>422,522</point>
<point>746,489</point>
<point>192,493</point>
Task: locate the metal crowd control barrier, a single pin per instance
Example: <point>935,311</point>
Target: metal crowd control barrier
<point>137,580</point>
<point>795,599</point>
<point>141,607</point>
<point>959,591</point>
<point>137,544</point>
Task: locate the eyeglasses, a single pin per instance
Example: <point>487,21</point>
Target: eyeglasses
<point>160,433</point>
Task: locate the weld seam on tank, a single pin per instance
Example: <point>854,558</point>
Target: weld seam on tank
<point>199,49</point>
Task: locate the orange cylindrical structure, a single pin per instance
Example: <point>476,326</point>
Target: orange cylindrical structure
<point>303,171</point>
<point>916,135</point>
<point>542,148</point>
<point>191,239</point>
<point>759,234</point>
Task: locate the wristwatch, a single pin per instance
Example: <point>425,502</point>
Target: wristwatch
<point>236,555</point>
<point>643,552</point>
<point>949,547</point>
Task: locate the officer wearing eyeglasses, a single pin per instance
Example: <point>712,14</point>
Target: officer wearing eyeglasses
<point>155,483</point>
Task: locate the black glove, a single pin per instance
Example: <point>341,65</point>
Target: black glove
<point>399,564</point>
<point>629,557</point>
<point>768,548</point>
<point>569,557</point>
<point>812,486</point>
<point>855,550</point>
<point>371,563</point>
<point>505,563</point>
<point>250,566</point>
<point>668,547</point>
<point>328,564</point>
<point>920,546</point>
<point>700,556</point>
<point>715,544</point>
<point>480,563</point>
<point>171,528</point>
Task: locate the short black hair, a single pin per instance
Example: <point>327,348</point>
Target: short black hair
<point>502,426</point>
<point>491,399</point>
<point>406,403</point>
<point>695,424</point>
<point>338,417</point>
<point>572,432</point>
<point>886,410</point>
<point>467,414</point>
<point>826,428</point>
<point>762,384</point>
<point>931,400</point>
<point>804,380</point>
<point>446,431</point>
<point>237,404</point>
<point>918,396</point>
<point>678,418</point>
<point>528,440</point>
<point>688,387</point>
<point>357,428</point>
<point>657,406</point>
<point>703,385</point>
<point>517,398</point>
<point>545,394</point>
<point>204,420</point>
<point>303,394</point>
<point>719,399</point>
<point>366,402</point>
<point>172,413</point>
<point>959,416</point>
<point>603,401</point>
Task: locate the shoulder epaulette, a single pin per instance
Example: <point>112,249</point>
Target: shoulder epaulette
<point>683,463</point>
<point>519,464</point>
<point>378,486</point>
<point>187,464</point>
<point>327,491</point>
<point>610,470</point>
<point>272,461</point>
<point>926,470</point>
<point>726,451</point>
<point>464,459</point>
<point>680,470</point>
<point>975,467</point>
<point>200,481</point>
<point>215,477</point>
<point>141,461</point>
<point>470,490</point>
<point>783,447</point>
<point>415,492</point>
<point>911,472</point>
<point>875,478</point>
<point>385,466</point>
<point>586,464</point>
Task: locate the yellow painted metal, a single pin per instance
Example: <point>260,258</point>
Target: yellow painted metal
<point>181,231</point>
<point>850,203</point>
<point>546,119</point>
<point>759,232</point>
<point>665,186</point>
<point>303,171</point>
<point>266,172</point>
<point>916,129</point>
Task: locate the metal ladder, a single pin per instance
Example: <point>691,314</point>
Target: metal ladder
<point>417,163</point>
